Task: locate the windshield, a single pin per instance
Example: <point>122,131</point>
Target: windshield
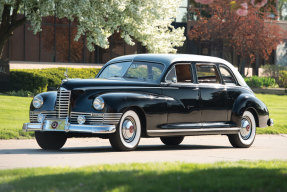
<point>141,71</point>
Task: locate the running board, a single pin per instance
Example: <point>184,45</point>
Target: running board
<point>198,131</point>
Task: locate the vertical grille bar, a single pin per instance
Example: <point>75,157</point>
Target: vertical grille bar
<point>63,103</point>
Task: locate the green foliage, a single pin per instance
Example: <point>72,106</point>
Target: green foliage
<point>282,81</point>
<point>38,80</point>
<point>258,82</point>
<point>20,93</point>
<point>169,177</point>
<point>273,70</point>
<point>27,81</point>
<point>148,22</point>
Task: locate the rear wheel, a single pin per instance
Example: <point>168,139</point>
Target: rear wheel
<point>128,133</point>
<point>247,133</point>
<point>172,140</point>
<point>50,140</point>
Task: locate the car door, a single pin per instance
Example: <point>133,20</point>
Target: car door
<point>183,103</point>
<point>213,97</point>
<point>233,90</point>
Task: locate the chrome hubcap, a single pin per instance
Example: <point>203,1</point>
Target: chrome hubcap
<point>129,129</point>
<point>246,128</point>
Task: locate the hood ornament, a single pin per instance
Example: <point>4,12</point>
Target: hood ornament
<point>66,73</point>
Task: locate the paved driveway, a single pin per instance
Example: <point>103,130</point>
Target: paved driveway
<point>90,151</point>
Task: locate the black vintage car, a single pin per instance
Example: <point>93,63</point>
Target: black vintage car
<point>150,95</point>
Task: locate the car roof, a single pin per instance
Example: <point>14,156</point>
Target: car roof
<point>168,59</point>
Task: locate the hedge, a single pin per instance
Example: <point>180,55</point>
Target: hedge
<point>39,80</point>
<point>28,81</point>
<point>259,82</point>
<point>282,81</point>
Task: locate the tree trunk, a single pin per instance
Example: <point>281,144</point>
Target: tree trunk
<point>256,68</point>
<point>9,22</point>
<point>242,66</point>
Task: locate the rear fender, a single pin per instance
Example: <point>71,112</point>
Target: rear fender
<point>249,102</point>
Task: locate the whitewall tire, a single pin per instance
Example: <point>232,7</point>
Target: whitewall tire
<point>128,133</point>
<point>247,133</point>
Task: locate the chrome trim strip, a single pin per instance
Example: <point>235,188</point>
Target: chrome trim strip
<point>193,130</point>
<point>34,115</point>
<point>92,128</point>
<point>97,118</point>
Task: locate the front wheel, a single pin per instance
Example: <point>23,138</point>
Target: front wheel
<point>128,133</point>
<point>50,140</point>
<point>247,133</point>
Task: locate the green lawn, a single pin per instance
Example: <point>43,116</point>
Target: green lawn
<point>277,106</point>
<point>14,111</point>
<point>224,176</point>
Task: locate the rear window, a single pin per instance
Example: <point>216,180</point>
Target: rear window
<point>227,76</point>
<point>207,73</point>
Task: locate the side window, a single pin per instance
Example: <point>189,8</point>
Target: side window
<point>137,71</point>
<point>145,71</point>
<point>227,76</point>
<point>180,73</point>
<point>156,71</point>
<point>207,73</point>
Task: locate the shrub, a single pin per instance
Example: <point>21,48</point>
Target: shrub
<point>257,82</point>
<point>282,79</point>
<point>20,93</point>
<point>273,70</point>
<point>39,80</point>
<point>27,81</point>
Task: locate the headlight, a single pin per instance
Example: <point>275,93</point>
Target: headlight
<point>38,101</point>
<point>99,103</point>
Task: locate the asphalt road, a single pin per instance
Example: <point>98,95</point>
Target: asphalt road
<point>90,151</point>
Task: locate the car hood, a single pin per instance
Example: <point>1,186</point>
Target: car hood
<point>71,84</point>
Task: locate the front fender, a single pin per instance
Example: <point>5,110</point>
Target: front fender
<point>49,100</point>
<point>250,102</point>
<point>119,102</point>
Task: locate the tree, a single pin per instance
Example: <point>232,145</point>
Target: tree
<point>244,26</point>
<point>147,21</point>
<point>282,6</point>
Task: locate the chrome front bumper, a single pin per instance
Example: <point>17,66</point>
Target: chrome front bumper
<point>64,126</point>
<point>270,122</point>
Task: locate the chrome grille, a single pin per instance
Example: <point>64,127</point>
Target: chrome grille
<point>63,103</point>
<point>48,115</point>
<point>97,118</point>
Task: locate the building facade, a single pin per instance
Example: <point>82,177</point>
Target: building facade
<point>55,43</point>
